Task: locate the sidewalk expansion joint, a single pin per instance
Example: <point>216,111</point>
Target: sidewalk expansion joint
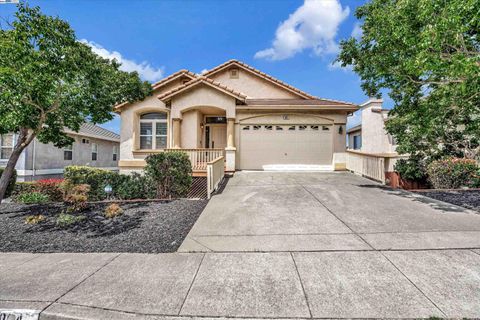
<point>82,281</point>
<point>301,284</point>
<point>191,284</point>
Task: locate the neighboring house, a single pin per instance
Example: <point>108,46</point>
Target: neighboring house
<point>93,146</point>
<point>370,135</point>
<point>255,120</point>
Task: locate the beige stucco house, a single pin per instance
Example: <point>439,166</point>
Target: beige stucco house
<point>370,135</point>
<point>256,121</point>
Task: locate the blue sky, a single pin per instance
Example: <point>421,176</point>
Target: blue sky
<point>281,38</point>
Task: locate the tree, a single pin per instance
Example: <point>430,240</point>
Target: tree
<point>426,54</point>
<point>50,81</point>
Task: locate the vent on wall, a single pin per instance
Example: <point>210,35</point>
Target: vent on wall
<point>234,73</point>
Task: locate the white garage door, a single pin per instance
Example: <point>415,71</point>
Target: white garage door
<point>264,146</point>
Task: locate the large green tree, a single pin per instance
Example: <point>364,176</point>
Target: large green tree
<point>425,53</point>
<point>50,81</point>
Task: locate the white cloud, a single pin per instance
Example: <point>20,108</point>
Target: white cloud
<point>357,31</point>
<point>338,66</point>
<point>313,26</point>
<point>203,71</point>
<point>144,69</point>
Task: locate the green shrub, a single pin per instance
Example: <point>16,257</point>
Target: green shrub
<point>11,183</point>
<point>75,196</point>
<point>21,188</point>
<point>411,169</point>
<point>32,197</point>
<point>171,173</point>
<point>453,173</point>
<point>65,220</point>
<point>124,186</point>
<point>97,179</point>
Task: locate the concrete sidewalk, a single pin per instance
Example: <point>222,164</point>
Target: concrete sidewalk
<point>340,284</point>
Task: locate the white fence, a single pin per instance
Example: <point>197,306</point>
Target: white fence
<point>366,164</point>
<point>215,174</point>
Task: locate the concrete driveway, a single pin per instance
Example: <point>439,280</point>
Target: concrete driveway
<point>275,211</point>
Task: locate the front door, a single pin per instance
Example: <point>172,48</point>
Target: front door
<point>217,136</point>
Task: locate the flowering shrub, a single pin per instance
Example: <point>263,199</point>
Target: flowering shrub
<point>50,188</point>
<point>452,173</point>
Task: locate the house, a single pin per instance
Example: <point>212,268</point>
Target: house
<point>370,135</point>
<point>93,146</point>
<point>255,121</point>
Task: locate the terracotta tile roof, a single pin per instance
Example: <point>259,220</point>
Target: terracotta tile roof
<point>297,102</point>
<point>164,81</point>
<point>259,73</point>
<point>198,80</point>
<point>173,76</point>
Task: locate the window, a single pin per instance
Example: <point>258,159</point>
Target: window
<point>325,128</point>
<point>153,130</point>
<point>6,145</point>
<point>246,128</point>
<point>257,127</point>
<point>86,141</point>
<point>68,152</point>
<point>268,128</point>
<point>115,153</point>
<point>278,128</point>
<point>291,128</point>
<point>314,128</point>
<point>94,151</point>
<point>357,142</point>
<point>302,128</point>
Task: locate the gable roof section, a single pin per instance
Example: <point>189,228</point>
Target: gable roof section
<point>93,131</point>
<point>161,83</point>
<point>198,81</point>
<point>260,74</point>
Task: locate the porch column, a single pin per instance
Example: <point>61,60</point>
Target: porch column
<point>230,150</point>
<point>176,144</point>
<point>231,133</point>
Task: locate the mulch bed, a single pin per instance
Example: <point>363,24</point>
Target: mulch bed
<point>465,198</point>
<point>146,227</point>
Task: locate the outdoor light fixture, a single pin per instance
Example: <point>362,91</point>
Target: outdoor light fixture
<point>108,190</point>
<point>201,125</point>
<point>340,130</point>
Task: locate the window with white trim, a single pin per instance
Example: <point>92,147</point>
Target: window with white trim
<point>68,152</point>
<point>6,145</point>
<point>94,151</point>
<point>153,130</point>
<point>115,153</point>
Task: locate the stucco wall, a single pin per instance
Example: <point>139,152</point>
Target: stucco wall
<point>202,96</point>
<point>374,137</point>
<point>190,135</point>
<point>129,124</point>
<point>253,86</point>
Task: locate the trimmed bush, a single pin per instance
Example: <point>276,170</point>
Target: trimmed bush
<point>32,198</point>
<point>171,173</point>
<point>453,173</point>
<point>124,187</point>
<point>97,179</point>
<point>11,183</point>
<point>113,210</point>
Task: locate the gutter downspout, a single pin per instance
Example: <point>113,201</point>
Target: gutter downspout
<point>33,160</point>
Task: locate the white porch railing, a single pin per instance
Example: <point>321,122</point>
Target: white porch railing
<point>200,157</point>
<point>366,164</point>
<point>215,174</point>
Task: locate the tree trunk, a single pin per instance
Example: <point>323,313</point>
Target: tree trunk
<point>20,145</point>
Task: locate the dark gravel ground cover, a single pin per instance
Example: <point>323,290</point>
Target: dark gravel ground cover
<point>465,198</point>
<point>147,227</point>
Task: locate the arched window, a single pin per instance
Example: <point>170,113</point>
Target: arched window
<point>153,130</point>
